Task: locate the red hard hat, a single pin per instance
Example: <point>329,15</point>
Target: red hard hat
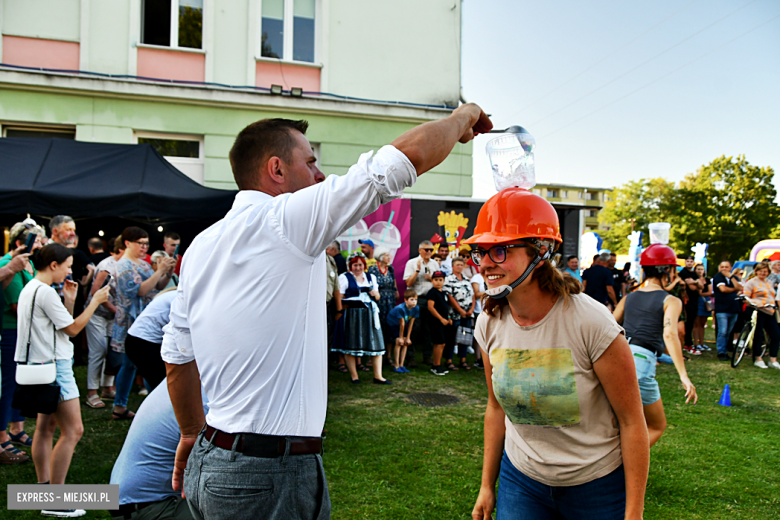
<point>515,213</point>
<point>658,254</point>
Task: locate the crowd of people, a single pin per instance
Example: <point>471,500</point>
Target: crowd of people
<point>232,340</point>
<point>59,302</point>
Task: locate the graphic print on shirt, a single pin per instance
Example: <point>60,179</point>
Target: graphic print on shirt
<point>536,387</point>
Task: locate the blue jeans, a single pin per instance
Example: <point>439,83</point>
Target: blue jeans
<point>726,322</point>
<point>124,382</point>
<point>523,498</point>
<point>225,484</point>
<point>8,367</point>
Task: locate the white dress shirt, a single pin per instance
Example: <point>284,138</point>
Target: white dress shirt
<point>421,286</point>
<point>249,308</point>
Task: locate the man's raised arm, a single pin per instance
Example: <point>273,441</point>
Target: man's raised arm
<point>429,144</point>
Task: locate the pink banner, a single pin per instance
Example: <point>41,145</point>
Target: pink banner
<point>401,211</point>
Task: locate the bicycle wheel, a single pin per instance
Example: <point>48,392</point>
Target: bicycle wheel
<point>742,343</point>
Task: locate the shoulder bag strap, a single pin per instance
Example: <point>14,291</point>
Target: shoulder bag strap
<point>29,329</point>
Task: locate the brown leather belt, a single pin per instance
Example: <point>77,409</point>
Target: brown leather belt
<point>266,446</point>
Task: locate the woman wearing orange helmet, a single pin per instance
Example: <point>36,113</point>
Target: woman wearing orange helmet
<point>649,316</point>
<point>560,379</point>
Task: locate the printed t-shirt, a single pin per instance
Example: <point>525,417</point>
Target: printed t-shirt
<point>725,303</point>
<point>560,427</point>
<point>759,292</point>
<point>421,286</point>
<point>402,311</point>
<point>461,290</point>
<point>440,304</point>
<point>598,278</point>
<point>49,314</point>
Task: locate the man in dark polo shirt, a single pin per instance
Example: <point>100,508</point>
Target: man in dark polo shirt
<point>726,288</point>
<point>598,283</point>
<point>692,287</point>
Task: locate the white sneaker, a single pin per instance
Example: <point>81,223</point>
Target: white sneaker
<point>775,364</point>
<point>470,350</point>
<point>143,392</point>
<point>64,513</point>
<point>760,363</point>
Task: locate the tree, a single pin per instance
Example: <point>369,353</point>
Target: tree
<point>643,201</point>
<point>729,204</point>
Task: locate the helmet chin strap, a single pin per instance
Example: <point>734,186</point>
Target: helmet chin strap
<point>503,291</point>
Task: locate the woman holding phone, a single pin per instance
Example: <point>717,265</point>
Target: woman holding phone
<point>48,331</point>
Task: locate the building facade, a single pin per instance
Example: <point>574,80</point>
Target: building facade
<point>187,75</point>
<point>590,199</point>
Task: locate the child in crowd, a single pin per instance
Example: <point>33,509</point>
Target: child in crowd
<point>401,320</point>
<point>438,310</point>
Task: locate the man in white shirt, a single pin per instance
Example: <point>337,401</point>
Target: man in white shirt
<point>250,312</point>
<point>417,276</point>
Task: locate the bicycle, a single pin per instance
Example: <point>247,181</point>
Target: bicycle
<point>747,334</point>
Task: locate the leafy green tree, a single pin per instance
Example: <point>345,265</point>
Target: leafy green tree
<point>728,204</point>
<point>637,204</point>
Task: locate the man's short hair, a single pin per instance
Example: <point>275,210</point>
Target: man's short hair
<point>596,258</point>
<point>459,259</point>
<point>95,243</point>
<point>171,235</point>
<point>257,143</point>
<point>425,243</point>
<point>59,220</point>
<point>410,293</point>
<point>571,257</point>
<point>604,257</point>
<point>690,257</point>
<point>336,244</point>
<point>613,254</point>
<point>157,255</point>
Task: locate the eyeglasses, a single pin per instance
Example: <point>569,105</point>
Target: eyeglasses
<point>427,249</point>
<point>496,253</point>
<point>142,244</point>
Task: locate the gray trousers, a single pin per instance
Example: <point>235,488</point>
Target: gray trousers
<point>225,484</point>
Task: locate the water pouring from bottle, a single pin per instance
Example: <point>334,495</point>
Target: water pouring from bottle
<point>512,158</point>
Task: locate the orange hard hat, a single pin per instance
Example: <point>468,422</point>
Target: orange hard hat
<point>515,213</point>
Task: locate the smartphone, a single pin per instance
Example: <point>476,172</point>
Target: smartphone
<point>106,281</point>
<point>30,242</point>
<point>176,251</point>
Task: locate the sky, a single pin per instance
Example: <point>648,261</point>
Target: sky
<point>616,91</point>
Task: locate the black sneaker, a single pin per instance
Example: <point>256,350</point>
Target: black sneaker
<point>438,370</point>
<point>479,364</point>
<point>723,357</point>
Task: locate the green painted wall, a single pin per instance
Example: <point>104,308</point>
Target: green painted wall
<point>342,138</point>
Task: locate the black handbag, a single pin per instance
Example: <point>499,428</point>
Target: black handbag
<point>31,400</point>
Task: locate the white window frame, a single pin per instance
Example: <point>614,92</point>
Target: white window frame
<point>579,195</point>
<point>564,194</point>
<point>174,36</point>
<point>552,193</point>
<point>287,41</point>
<point>193,168</point>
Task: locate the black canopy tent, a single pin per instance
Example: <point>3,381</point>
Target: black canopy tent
<point>58,176</point>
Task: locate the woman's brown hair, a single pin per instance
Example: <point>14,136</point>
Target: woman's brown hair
<point>550,280</point>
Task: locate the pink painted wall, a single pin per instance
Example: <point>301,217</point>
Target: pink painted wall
<point>36,52</point>
<point>275,73</point>
<point>171,64</point>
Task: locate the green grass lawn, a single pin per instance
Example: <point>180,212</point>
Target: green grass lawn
<point>386,458</point>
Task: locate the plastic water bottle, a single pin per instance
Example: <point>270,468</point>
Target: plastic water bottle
<point>512,159</point>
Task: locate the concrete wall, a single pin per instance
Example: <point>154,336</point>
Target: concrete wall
<point>405,50</point>
<point>47,19</point>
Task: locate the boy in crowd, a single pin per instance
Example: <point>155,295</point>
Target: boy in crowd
<point>438,310</point>
<point>401,320</point>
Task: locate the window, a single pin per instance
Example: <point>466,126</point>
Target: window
<point>564,194</point>
<point>552,193</point>
<point>579,194</point>
<point>537,191</point>
<point>184,152</point>
<point>589,196</point>
<point>172,23</point>
<point>287,30</point>
<point>593,213</point>
<point>40,132</point>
